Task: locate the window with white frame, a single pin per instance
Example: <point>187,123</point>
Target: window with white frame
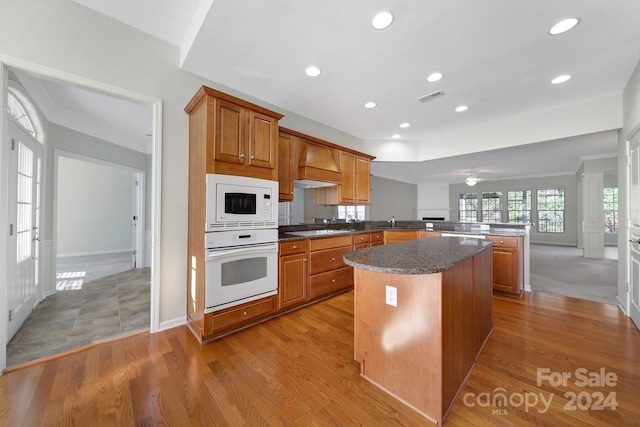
<point>351,213</point>
<point>492,207</point>
<point>519,206</point>
<point>611,210</point>
<point>468,207</point>
<point>551,210</point>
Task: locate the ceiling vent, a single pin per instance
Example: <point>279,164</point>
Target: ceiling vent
<point>431,96</point>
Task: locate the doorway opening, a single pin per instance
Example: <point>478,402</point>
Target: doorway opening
<point>146,248</point>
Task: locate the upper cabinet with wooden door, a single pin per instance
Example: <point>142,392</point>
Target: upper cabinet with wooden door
<point>311,161</point>
<point>233,136</point>
<point>287,165</point>
<point>354,186</point>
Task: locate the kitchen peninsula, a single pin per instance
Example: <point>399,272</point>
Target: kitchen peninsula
<point>423,311</point>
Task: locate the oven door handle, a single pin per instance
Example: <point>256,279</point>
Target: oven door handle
<point>220,253</point>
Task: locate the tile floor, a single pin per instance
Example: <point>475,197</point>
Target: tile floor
<point>98,298</point>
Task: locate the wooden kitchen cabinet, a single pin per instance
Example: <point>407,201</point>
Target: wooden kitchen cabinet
<point>363,178</point>
<point>235,317</point>
<point>355,184</point>
<point>396,236</point>
<point>227,135</point>
<point>377,238</point>
<point>361,241</point>
<point>328,272</point>
<point>293,273</point>
<point>508,270</point>
<point>422,234</point>
<point>233,136</point>
<point>287,164</point>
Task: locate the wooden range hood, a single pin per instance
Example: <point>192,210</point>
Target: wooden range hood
<point>318,165</point>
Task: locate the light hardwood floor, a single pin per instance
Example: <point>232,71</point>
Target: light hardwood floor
<point>298,370</point>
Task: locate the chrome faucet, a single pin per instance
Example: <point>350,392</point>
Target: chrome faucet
<point>393,222</point>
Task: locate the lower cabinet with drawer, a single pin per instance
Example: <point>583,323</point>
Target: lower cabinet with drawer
<point>377,238</point>
<point>236,317</point>
<point>327,271</point>
<point>507,264</point>
<point>361,241</point>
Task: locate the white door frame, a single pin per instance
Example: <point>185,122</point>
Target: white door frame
<point>631,286</point>
<point>10,63</point>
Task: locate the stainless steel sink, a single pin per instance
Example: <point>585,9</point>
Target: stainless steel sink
<point>312,233</point>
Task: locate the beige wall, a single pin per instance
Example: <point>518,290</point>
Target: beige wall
<point>392,198</point>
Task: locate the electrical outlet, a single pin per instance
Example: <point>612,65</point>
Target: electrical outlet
<point>392,295</point>
<point>429,225</point>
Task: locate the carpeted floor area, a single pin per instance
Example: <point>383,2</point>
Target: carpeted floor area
<point>98,298</point>
<point>563,270</point>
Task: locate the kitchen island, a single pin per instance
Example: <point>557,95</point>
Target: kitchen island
<point>423,312</point>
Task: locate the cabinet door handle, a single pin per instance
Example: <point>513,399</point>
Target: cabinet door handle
<point>333,259</point>
<point>333,280</point>
<point>305,260</point>
<point>634,240</point>
<point>242,156</point>
<point>245,313</point>
<point>502,241</point>
<point>253,157</point>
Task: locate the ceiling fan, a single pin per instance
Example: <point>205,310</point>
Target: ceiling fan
<point>473,178</point>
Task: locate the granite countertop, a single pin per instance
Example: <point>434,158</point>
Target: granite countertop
<point>421,256</point>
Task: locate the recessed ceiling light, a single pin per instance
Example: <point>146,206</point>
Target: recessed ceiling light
<point>404,125</point>
<point>434,77</point>
<point>382,20</point>
<point>313,71</point>
<point>461,108</point>
<point>564,26</point>
<point>560,79</point>
<point>396,136</point>
<point>370,104</point>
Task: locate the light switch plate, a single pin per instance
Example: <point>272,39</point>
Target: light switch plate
<point>429,225</point>
<point>392,295</point>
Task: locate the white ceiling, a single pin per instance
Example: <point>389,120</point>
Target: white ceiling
<point>496,56</point>
<point>112,119</point>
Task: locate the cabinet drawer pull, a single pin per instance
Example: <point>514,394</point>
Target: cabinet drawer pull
<point>333,259</point>
<point>295,247</point>
<point>333,281</point>
<point>245,313</point>
<point>502,241</point>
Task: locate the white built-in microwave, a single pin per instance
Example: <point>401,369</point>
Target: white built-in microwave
<point>240,202</point>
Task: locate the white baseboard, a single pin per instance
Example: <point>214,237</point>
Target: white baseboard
<point>168,324</point>
<point>115,251</point>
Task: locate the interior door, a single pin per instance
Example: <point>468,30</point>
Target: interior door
<point>634,230</point>
<point>593,215</point>
<point>24,219</point>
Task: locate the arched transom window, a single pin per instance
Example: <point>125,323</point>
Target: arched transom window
<point>24,114</point>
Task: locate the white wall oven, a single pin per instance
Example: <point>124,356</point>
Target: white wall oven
<point>241,266</point>
<point>241,240</point>
<point>239,202</point>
